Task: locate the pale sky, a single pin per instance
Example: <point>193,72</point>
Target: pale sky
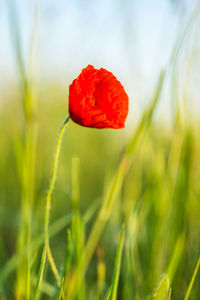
<point>133,39</point>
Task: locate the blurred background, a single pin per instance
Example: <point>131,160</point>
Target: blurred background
<point>43,47</point>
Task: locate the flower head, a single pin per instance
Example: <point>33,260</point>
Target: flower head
<point>97,99</point>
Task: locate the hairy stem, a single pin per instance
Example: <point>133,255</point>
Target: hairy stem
<point>48,200</point>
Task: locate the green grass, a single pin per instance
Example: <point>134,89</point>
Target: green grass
<point>144,184</point>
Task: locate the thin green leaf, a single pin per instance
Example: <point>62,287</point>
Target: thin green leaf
<point>107,297</point>
<point>192,279</point>
<point>112,294</point>
<point>59,297</point>
<point>40,275</point>
<point>176,257</point>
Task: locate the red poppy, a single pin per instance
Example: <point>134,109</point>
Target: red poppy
<point>97,99</point>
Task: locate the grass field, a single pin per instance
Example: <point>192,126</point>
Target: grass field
<point>124,217</point>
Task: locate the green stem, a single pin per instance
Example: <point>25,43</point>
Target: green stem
<point>48,200</point>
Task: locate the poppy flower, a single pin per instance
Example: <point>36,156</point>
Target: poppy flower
<point>97,99</point>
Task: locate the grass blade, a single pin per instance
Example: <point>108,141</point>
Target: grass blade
<point>40,275</point>
<point>60,290</point>
<point>192,279</point>
<point>178,251</point>
<point>112,293</point>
